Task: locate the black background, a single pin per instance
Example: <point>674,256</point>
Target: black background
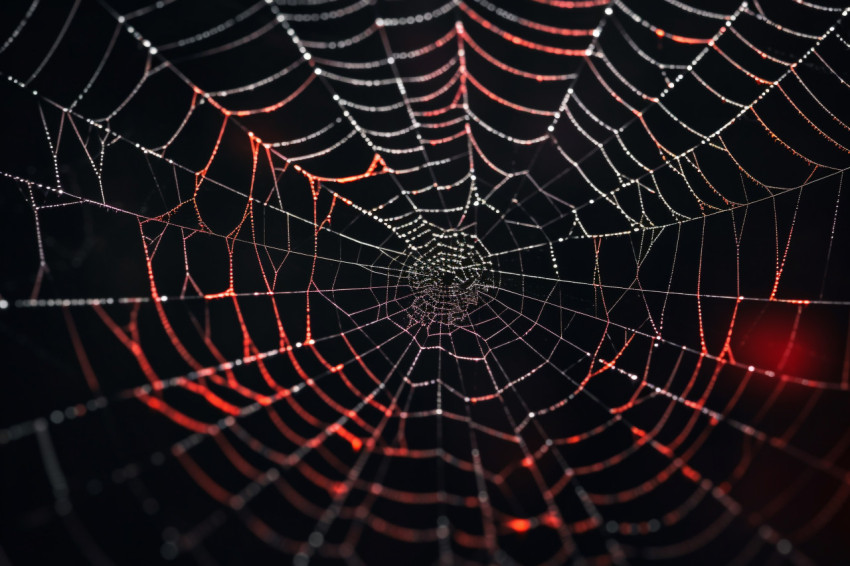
<point>131,500</point>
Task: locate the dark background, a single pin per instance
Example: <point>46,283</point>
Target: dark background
<point>99,481</point>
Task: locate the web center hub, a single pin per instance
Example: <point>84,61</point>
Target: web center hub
<point>447,275</point>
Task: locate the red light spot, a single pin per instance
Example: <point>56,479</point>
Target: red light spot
<point>691,473</point>
<point>773,342</point>
<point>659,32</point>
<point>519,525</point>
<point>551,520</point>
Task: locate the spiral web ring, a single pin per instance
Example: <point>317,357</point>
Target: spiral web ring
<point>229,221</point>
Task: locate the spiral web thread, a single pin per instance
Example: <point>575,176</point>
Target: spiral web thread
<point>509,282</point>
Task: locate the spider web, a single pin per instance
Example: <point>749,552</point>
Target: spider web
<point>347,281</point>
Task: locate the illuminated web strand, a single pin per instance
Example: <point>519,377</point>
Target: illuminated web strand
<point>742,428</point>
<point>717,358</point>
<point>498,522</point>
<point>173,163</point>
<point>811,50</point>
